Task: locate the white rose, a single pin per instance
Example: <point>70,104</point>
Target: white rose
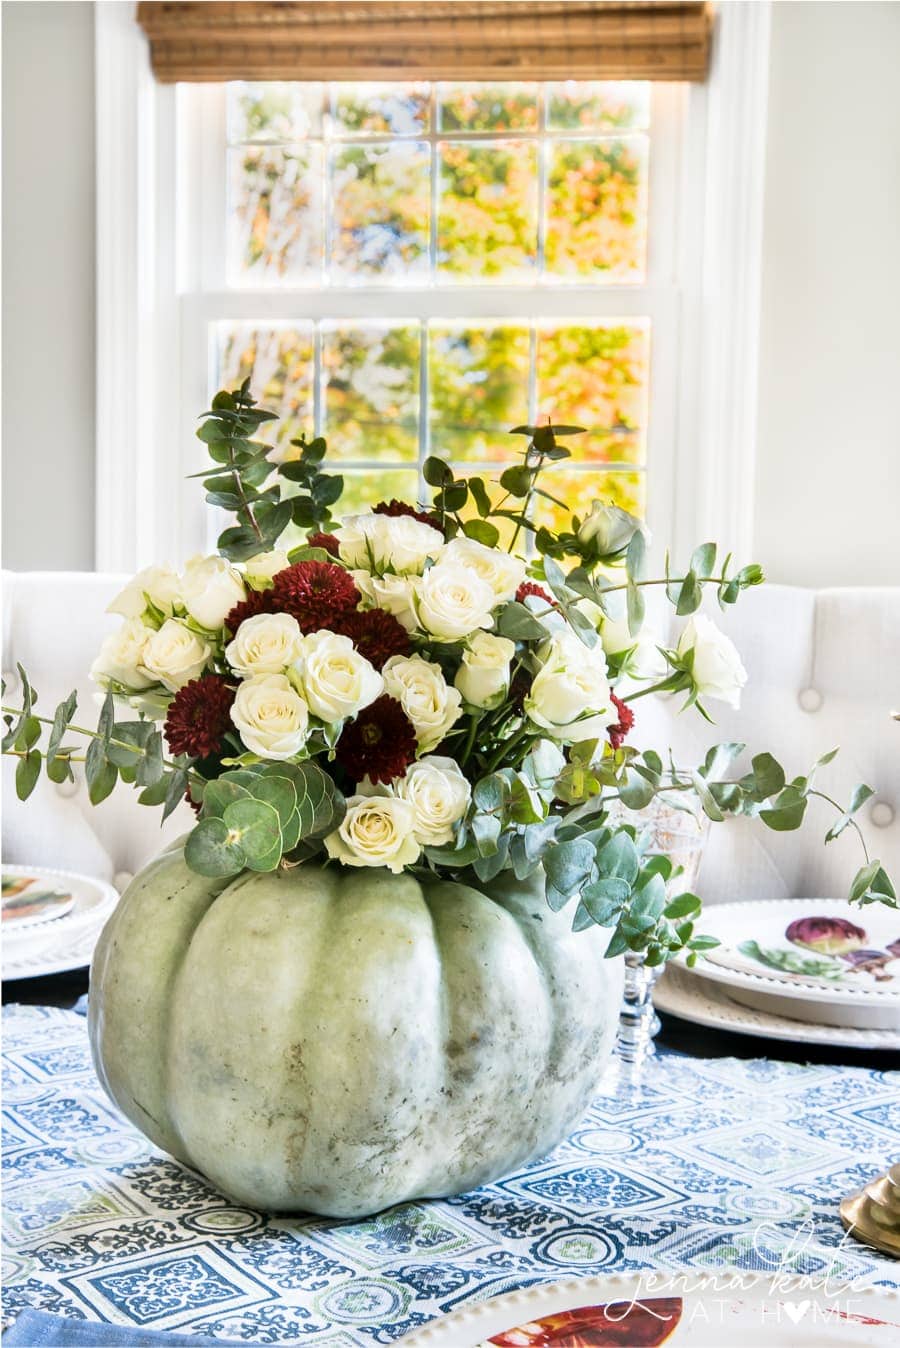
<point>210,589</point>
<point>262,569</point>
<point>421,689</point>
<point>502,571</point>
<point>642,659</point>
<point>265,644</point>
<point>395,594</point>
<point>271,716</point>
<point>453,601</point>
<point>439,795</point>
<point>376,831</point>
<point>717,670</point>
<point>570,696</point>
<point>483,676</point>
<point>609,529</point>
<point>174,655</point>
<point>382,543</point>
<point>121,656</point>
<point>334,678</point>
<point>159,584</point>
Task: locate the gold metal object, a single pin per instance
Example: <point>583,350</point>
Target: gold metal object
<point>873,1214</point>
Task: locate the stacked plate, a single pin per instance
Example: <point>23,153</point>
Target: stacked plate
<point>806,970</point>
<point>51,920</point>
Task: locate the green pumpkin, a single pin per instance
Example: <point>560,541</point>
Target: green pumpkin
<point>335,1041</point>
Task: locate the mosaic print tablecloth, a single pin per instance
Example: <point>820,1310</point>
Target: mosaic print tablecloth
<point>707,1162</point>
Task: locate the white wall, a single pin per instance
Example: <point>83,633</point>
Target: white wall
<point>48,285</point>
<point>828,476</point>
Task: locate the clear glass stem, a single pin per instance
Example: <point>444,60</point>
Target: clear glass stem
<point>638,1022</point>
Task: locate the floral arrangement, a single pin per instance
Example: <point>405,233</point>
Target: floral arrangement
<point>441,688</point>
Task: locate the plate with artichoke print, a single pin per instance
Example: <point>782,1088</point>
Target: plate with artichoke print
<point>819,960</point>
<point>624,1312</point>
<point>51,919</point>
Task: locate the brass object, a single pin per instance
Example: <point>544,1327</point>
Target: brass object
<point>873,1214</point>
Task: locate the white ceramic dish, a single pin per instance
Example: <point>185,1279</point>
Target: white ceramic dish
<point>860,993</point>
<point>693,1309</point>
<point>703,1002</point>
<point>60,943</point>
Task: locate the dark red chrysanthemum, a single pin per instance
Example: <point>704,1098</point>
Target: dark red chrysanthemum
<point>317,594</point>
<point>380,744</point>
<point>257,601</point>
<point>376,634</point>
<point>528,587</point>
<point>519,690</point>
<point>620,729</point>
<point>327,542</point>
<point>198,719</point>
<point>395,507</point>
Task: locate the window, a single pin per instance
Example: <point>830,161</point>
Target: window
<point>413,269</point>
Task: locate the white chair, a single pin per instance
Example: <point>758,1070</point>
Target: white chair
<point>824,671</point>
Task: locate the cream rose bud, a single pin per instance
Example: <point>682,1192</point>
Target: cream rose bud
<point>174,655</point>
<point>643,658</point>
<point>210,589</point>
<point>395,594</point>
<point>265,644</point>
<point>717,670</point>
<point>502,571</point>
<point>382,543</point>
<point>271,717</point>
<point>159,584</point>
<point>439,794</point>
<point>483,675</point>
<point>334,678</point>
<point>421,689</point>
<point>121,656</point>
<point>376,831</point>
<point>608,529</point>
<point>570,696</point>
<point>262,569</point>
<point>453,601</point>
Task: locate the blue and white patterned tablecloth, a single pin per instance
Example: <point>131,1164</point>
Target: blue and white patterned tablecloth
<point>707,1162</point>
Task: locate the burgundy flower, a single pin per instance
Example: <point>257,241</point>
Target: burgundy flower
<point>620,728</point>
<point>528,587</point>
<point>257,601</point>
<point>317,594</point>
<point>327,542</point>
<point>198,719</point>
<point>376,634</point>
<point>395,507</point>
<point>380,744</point>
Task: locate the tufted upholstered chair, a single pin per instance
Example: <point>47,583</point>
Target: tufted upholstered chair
<point>824,671</point>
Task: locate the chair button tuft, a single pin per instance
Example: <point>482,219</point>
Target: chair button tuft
<point>67,789</point>
<point>122,879</point>
<point>810,699</point>
<point>882,814</point>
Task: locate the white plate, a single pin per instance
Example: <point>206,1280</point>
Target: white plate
<point>693,1308</point>
<point>61,943</point>
<point>866,997</point>
<point>706,1003</point>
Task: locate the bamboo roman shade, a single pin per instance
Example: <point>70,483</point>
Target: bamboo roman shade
<point>428,39</point>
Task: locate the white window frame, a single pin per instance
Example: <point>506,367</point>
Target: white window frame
<point>155,303</point>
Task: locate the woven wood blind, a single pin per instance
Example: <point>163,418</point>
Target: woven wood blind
<point>428,39</point>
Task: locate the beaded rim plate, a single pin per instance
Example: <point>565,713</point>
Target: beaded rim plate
<point>692,1307</point>
<point>61,943</point>
<point>693,998</point>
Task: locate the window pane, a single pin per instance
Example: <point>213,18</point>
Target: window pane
<point>579,489</point>
<point>488,107</point>
<point>596,377</point>
<point>278,361</point>
<point>365,489</point>
<point>370,376</point>
<point>381,211</point>
<point>270,111</point>
<point>587,105</point>
<point>275,215</point>
<point>597,209</point>
<point>381,109</point>
<point>478,380</point>
<point>487,223</point>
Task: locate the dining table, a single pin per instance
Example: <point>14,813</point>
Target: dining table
<point>721,1152</point>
